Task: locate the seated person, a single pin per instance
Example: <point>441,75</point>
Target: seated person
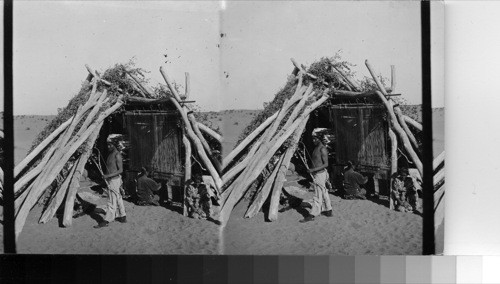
<point>146,189</point>
<point>404,192</point>
<point>198,198</point>
<point>352,182</point>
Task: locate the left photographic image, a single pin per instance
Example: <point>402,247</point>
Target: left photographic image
<point>117,141</point>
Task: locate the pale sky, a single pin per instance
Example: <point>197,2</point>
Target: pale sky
<point>54,40</point>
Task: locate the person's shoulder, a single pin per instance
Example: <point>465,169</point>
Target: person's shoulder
<point>323,148</point>
<point>118,155</point>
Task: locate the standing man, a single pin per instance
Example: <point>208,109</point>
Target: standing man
<point>352,182</point>
<point>114,165</point>
<point>321,200</point>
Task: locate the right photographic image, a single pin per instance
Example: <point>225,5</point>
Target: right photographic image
<point>323,137</point>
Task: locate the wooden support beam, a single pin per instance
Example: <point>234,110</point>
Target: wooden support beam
<point>243,144</point>
<point>283,168</point>
<point>267,150</point>
<point>402,122</point>
<point>75,178</point>
<point>438,161</point>
<point>402,134</point>
<point>353,83</point>
<point>343,93</point>
<point>413,123</point>
<point>263,192</point>
<point>187,169</point>
<point>302,69</point>
<point>191,134</point>
<point>44,180</point>
<point>210,132</point>
<point>393,78</point>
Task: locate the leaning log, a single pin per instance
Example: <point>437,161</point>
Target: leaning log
<point>353,84</point>
<point>204,143</point>
<point>210,132</point>
<point>75,179</point>
<point>402,122</point>
<point>394,162</point>
<point>393,78</point>
<point>38,149</point>
<point>240,185</point>
<point>413,123</point>
<point>402,134</point>
<point>351,94</point>
<point>47,179</point>
<point>263,193</point>
<point>243,144</point>
<point>58,197</point>
<point>438,161</point>
<point>298,66</point>
<point>187,169</point>
<point>144,89</point>
<point>281,176</point>
<point>93,74</point>
<point>187,125</point>
<point>394,121</point>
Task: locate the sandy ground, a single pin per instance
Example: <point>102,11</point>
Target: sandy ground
<point>357,226</point>
<point>149,230</point>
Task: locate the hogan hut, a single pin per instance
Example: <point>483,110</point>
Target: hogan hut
<point>157,128</point>
<point>364,123</point>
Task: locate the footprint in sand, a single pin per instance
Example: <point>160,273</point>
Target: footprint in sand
<point>355,225</point>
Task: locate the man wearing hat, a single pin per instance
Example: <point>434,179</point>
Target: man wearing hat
<point>114,165</point>
<point>321,200</point>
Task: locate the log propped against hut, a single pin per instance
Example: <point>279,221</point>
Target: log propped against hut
<point>368,127</point>
<point>159,131</point>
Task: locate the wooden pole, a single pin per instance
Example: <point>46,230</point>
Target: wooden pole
<point>27,160</point>
<point>299,91</point>
<point>58,197</point>
<point>199,147</point>
<point>146,90</point>
<point>26,178</point>
<point>354,85</point>
<point>281,176</point>
<point>298,108</point>
<point>351,94</point>
<point>46,179</point>
<point>187,91</point>
<point>187,169</point>
<point>302,69</point>
<point>210,132</point>
<point>375,78</point>
<point>438,161</point>
<point>75,178</point>
<point>413,123</point>
<point>394,163</point>
<point>393,78</point>
<point>204,142</point>
<point>38,149</point>
<point>243,144</point>
<point>402,134</point>
<point>263,193</point>
<point>240,185</point>
<point>95,75</point>
<point>241,165</point>
<point>402,122</point>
